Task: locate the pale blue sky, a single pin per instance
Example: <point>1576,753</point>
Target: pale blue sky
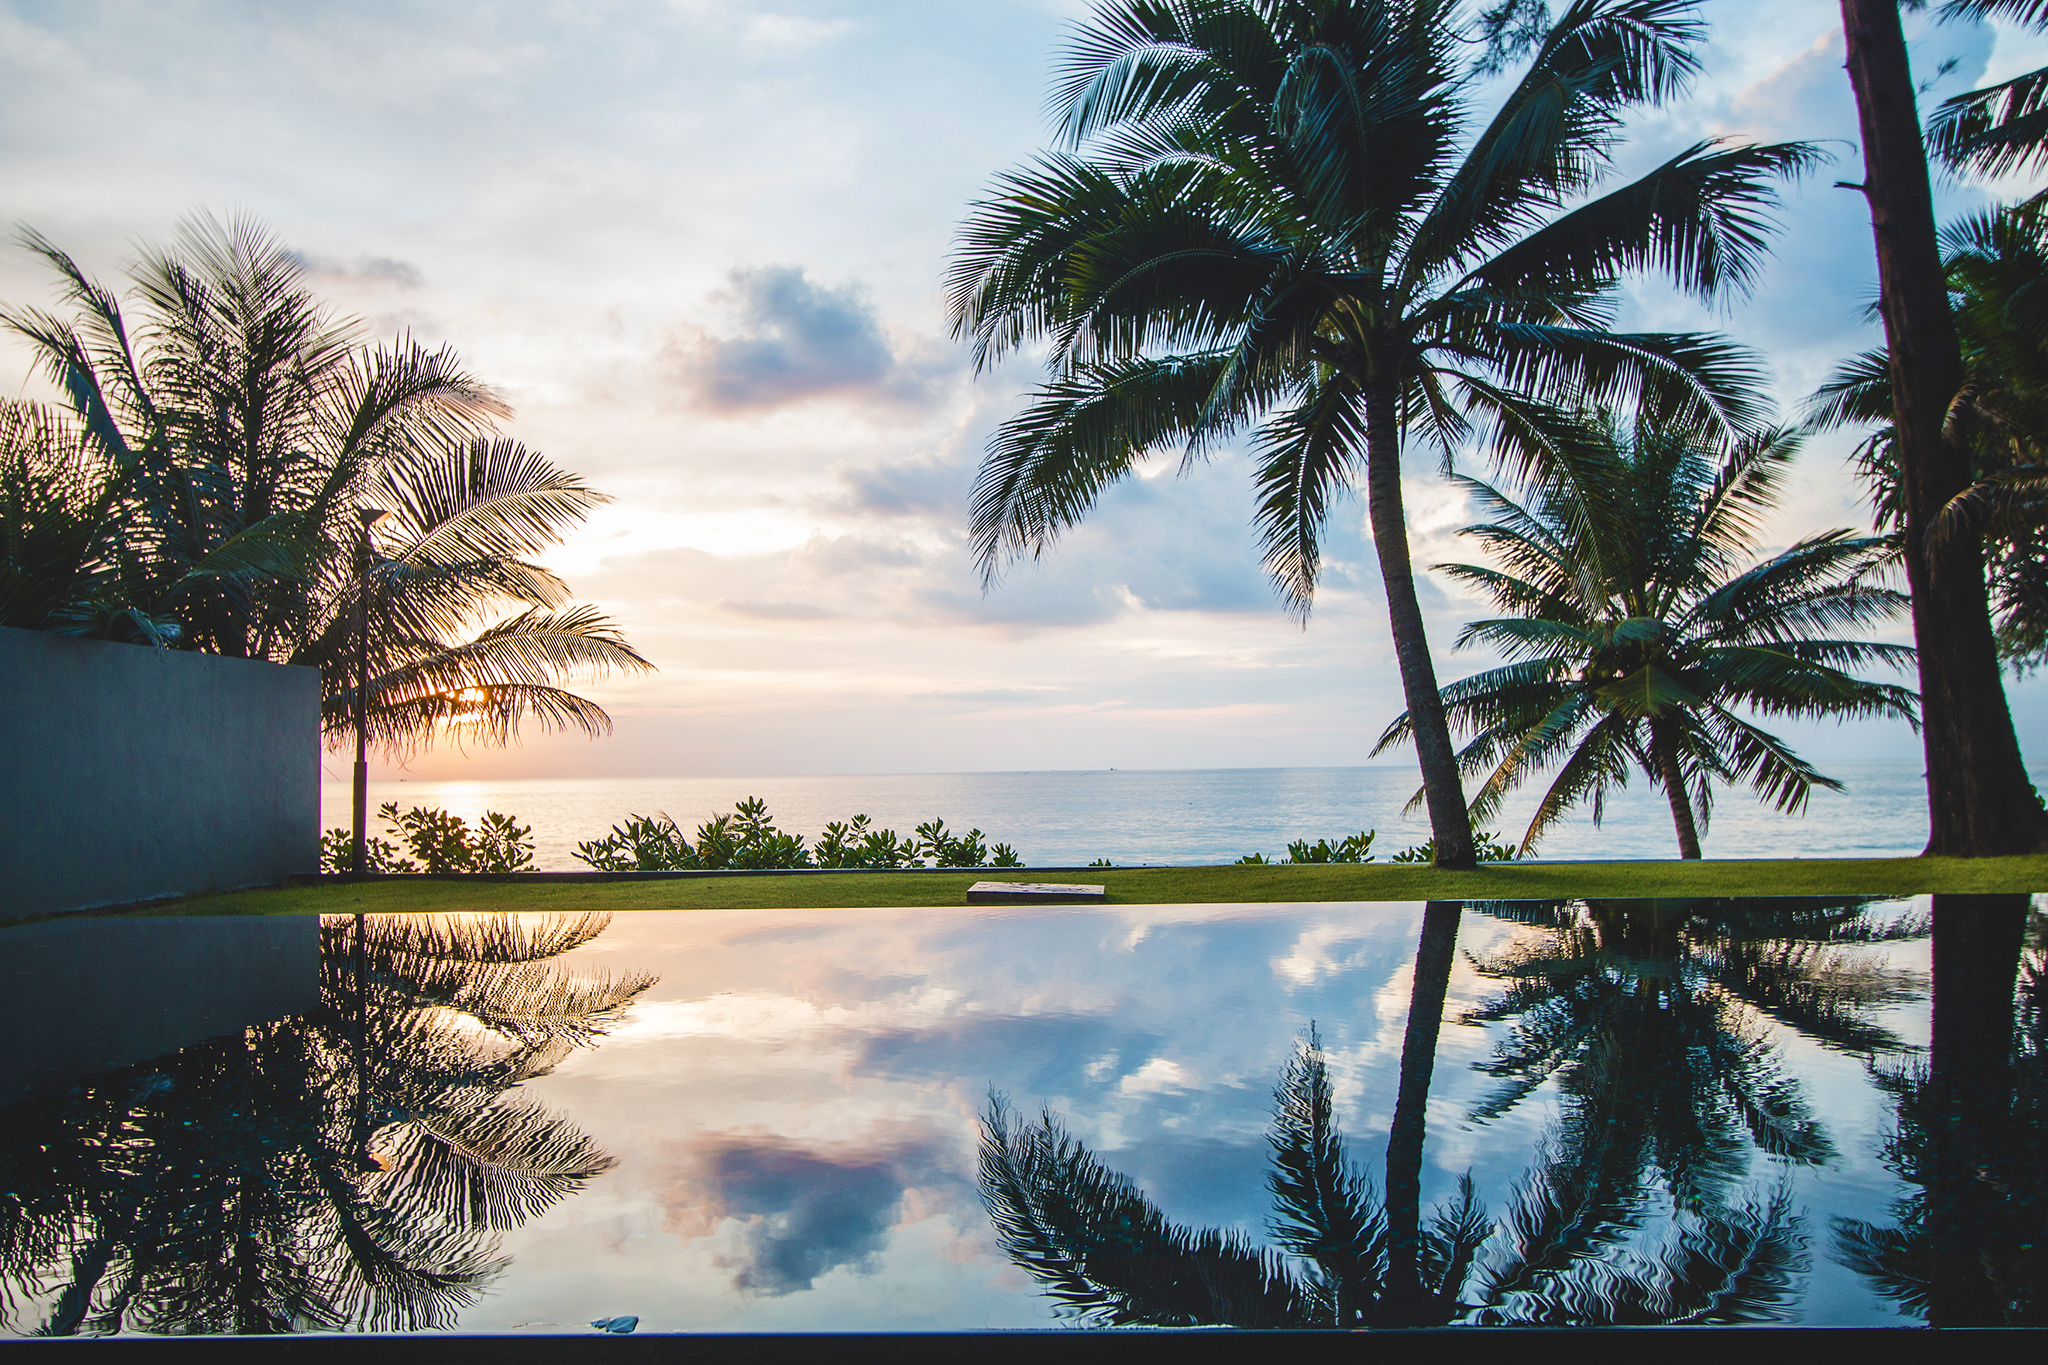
<point>698,246</point>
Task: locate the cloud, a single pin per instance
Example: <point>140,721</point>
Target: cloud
<point>906,488</point>
<point>802,1211</point>
<point>993,696</point>
<point>835,556</point>
<point>797,340</point>
<point>380,270</point>
<point>779,611</point>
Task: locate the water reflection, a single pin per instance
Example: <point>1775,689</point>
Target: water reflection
<point>1347,1257</point>
<point>351,1166</point>
<point>1968,1244</point>
<point>1328,1115</point>
<point>1652,1017</point>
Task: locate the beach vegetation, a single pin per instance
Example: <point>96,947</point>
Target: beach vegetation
<point>747,839</point>
<point>437,842</point>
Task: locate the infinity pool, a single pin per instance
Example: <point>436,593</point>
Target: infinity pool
<point>1616,1112</point>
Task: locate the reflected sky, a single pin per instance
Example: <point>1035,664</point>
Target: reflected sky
<point>794,1106</point>
<point>773,1120</point>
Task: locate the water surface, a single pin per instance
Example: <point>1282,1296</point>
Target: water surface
<point>778,1120</point>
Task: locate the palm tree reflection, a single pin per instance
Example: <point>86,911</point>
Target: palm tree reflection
<point>1577,1245</point>
<point>1653,1018</point>
<point>349,1167</point>
<point>1967,1245</point>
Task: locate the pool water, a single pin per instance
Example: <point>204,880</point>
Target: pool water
<point>1281,1115</point>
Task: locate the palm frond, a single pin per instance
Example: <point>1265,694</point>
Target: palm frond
<point>1047,466</point>
<point>1306,459</point>
<point>490,499</point>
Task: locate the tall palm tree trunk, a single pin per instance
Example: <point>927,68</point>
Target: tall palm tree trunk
<point>1980,801</point>
<point>1664,748</point>
<point>1450,823</point>
<point>1435,952</point>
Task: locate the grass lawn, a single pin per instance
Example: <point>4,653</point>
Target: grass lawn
<point>1159,886</point>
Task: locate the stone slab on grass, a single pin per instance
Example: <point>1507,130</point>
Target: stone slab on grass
<point>1032,893</point>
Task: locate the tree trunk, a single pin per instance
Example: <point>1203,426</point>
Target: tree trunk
<point>1977,941</point>
<point>1980,801</point>
<point>1410,1303</point>
<point>1664,747</point>
<point>1450,823</point>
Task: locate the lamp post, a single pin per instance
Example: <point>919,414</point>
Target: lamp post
<point>361,705</point>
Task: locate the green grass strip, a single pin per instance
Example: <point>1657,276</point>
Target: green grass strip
<point>1159,886</point>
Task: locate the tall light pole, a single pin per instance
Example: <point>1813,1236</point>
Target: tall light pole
<point>370,517</point>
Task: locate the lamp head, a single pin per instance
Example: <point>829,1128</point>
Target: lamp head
<point>372,516</point>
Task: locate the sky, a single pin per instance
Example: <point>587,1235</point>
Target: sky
<point>699,248</point>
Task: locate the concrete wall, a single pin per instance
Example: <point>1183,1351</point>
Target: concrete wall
<point>128,772</point>
<point>81,996</point>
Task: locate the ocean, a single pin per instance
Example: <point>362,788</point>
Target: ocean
<point>1175,817</point>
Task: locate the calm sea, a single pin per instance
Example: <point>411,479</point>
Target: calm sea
<point>1190,816</point>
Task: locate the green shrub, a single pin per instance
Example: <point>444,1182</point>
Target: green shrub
<point>440,841</point>
<point>1485,846</point>
<point>1353,848</point>
<point>748,839</point>
<point>1357,848</point>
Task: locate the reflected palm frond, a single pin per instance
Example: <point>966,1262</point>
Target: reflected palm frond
<point>1111,1257</point>
<point>348,1168</point>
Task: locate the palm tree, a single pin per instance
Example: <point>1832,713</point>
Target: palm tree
<point>1637,641</point>
<point>459,524</point>
<point>1283,219</point>
<point>1999,130</point>
<point>1996,261</point>
<point>1980,801</point>
<point>236,449</point>
<point>352,1167</point>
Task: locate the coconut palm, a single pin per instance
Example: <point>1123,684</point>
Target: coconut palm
<point>1996,261</point>
<point>1284,220</point>
<point>2000,130</point>
<point>456,524</point>
<point>1980,800</point>
<point>348,1168</point>
<point>1638,639</point>
<point>237,446</point>
<point>241,412</point>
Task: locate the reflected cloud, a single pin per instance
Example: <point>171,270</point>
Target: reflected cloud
<point>1160,1076</point>
<point>803,1212</point>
